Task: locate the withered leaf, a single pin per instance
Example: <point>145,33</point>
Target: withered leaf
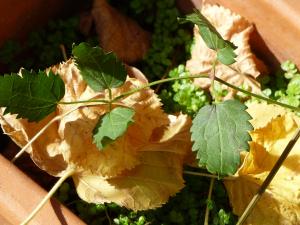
<point>139,170</point>
<point>237,30</point>
<point>281,199</point>
<point>118,33</point>
<point>149,184</point>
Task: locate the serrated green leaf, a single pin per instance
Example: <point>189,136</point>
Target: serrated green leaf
<point>100,70</point>
<point>112,125</point>
<point>212,38</point>
<point>32,95</point>
<point>219,133</point>
<point>226,55</point>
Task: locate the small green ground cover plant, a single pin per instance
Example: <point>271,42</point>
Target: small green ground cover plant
<point>103,71</point>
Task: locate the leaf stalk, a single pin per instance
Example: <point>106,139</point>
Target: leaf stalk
<point>212,79</point>
<point>268,100</point>
<point>211,185</point>
<point>110,99</point>
<point>193,173</point>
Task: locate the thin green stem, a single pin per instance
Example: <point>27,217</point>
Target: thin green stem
<point>271,101</point>
<point>208,175</point>
<point>211,185</point>
<point>84,101</point>
<point>107,216</point>
<point>212,79</point>
<point>156,83</point>
<point>269,178</point>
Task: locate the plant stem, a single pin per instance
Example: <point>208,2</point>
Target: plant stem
<point>268,100</point>
<point>156,83</point>
<point>110,99</point>
<point>48,196</point>
<point>107,215</point>
<point>269,178</point>
<point>212,79</point>
<point>211,185</point>
<point>84,101</point>
<point>208,175</point>
<point>63,52</point>
<point>245,75</point>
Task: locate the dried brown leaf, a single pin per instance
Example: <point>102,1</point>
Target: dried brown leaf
<point>236,29</point>
<point>119,34</point>
<point>152,182</point>
<point>264,113</point>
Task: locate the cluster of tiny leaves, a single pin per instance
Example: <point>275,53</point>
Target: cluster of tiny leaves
<point>183,95</point>
<point>284,87</point>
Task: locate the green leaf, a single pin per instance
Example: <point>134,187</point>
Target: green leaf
<point>219,133</point>
<point>32,95</point>
<point>112,125</point>
<point>100,70</point>
<point>226,55</point>
<point>212,38</point>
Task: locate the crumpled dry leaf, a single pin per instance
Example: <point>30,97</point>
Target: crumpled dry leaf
<point>280,204</point>
<point>236,29</point>
<point>264,113</point>
<point>119,34</point>
<point>150,183</point>
<point>147,159</point>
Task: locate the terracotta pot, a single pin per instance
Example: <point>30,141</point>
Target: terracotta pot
<point>19,195</point>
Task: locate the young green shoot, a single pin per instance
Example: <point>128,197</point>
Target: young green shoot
<point>211,185</point>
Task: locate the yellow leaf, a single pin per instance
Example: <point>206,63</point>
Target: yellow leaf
<point>151,183</point>
<point>280,203</point>
<point>263,113</point>
<point>143,167</point>
<point>236,29</point>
